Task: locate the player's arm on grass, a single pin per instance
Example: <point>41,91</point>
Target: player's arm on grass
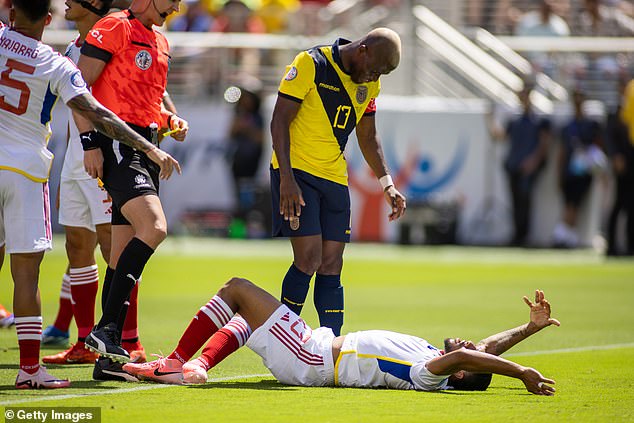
<point>539,319</point>
<point>111,125</point>
<point>291,200</point>
<point>373,154</point>
<point>480,362</point>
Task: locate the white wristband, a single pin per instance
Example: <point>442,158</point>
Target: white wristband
<point>386,181</point>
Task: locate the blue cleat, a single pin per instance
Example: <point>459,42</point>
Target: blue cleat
<point>53,336</point>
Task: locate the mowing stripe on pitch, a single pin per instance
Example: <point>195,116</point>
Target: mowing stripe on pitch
<point>572,350</point>
<point>223,379</point>
<point>122,391</point>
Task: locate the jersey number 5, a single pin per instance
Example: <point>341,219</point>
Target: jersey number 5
<point>7,81</point>
<point>341,118</point>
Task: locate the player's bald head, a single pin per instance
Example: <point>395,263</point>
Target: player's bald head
<point>386,44</point>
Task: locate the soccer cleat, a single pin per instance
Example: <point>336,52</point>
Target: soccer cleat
<point>107,369</point>
<point>39,380</point>
<point>6,317</point>
<point>163,370</point>
<point>138,356</point>
<point>53,336</point>
<point>194,372</point>
<point>76,354</point>
<point>105,341</point>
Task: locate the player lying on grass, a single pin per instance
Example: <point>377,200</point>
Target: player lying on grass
<point>297,355</point>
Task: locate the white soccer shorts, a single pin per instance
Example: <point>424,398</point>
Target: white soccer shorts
<point>292,351</point>
<point>83,203</point>
<point>25,214</point>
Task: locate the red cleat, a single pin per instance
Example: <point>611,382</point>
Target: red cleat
<point>76,354</point>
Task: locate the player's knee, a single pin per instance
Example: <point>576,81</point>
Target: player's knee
<point>308,263</point>
<point>234,286</point>
<point>156,233</point>
<point>331,265</point>
<point>237,283</point>
<point>78,250</point>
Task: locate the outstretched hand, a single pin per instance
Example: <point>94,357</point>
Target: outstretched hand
<point>536,383</point>
<point>540,311</point>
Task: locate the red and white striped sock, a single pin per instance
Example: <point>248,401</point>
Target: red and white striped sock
<point>211,317</point>
<point>225,342</point>
<point>84,284</point>
<point>65,312</point>
<point>29,329</point>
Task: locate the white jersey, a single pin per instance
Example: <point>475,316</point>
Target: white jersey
<point>377,358</point>
<point>32,77</point>
<point>73,167</point>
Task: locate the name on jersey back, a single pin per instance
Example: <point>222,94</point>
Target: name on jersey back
<point>17,47</point>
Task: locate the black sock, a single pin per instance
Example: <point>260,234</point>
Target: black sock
<point>328,297</point>
<point>295,288</point>
<point>129,268</point>
<point>107,283</point>
<point>123,314</point>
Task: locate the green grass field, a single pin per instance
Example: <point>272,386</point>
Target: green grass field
<point>429,292</point>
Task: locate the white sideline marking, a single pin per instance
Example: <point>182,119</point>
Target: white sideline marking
<point>123,391</point>
<point>572,350</point>
<point>223,379</point>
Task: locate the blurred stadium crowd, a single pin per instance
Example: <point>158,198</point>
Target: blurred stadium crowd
<point>600,75</point>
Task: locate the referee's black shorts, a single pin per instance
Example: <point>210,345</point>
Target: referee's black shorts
<point>127,173</point>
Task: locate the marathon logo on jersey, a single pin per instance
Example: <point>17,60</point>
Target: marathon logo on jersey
<point>77,80</point>
<point>141,182</point>
<point>143,60</point>
<point>291,74</point>
<point>362,94</point>
<point>329,87</point>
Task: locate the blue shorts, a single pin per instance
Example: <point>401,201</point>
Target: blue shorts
<point>326,213</point>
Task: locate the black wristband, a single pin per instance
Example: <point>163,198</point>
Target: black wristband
<point>89,140</point>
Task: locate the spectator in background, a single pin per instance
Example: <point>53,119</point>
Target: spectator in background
<point>602,20</point>
<point>530,137</point>
<point>246,134</point>
<point>621,150</point>
<point>196,18</point>
<point>236,16</point>
<point>496,16</point>
<point>275,14</point>
<point>4,11</point>
<point>579,155</point>
<point>309,19</point>
<point>542,23</point>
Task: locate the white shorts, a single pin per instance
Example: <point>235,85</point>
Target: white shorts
<point>292,351</point>
<point>83,203</point>
<point>25,214</point>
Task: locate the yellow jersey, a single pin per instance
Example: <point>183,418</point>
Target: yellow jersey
<point>331,106</point>
<point>627,111</point>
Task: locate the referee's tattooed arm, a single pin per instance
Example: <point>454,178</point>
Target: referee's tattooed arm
<point>108,123</point>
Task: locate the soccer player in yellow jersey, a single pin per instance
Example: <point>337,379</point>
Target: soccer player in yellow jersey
<point>327,92</point>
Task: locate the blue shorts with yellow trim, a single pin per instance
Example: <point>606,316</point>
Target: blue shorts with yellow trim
<point>327,209</point>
